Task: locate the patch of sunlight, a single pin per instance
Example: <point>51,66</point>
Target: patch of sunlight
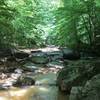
<point>3,98</point>
<point>56,66</point>
<point>43,81</point>
<point>18,93</point>
<point>54,2</point>
<point>50,49</point>
<point>4,94</point>
<point>21,92</point>
<point>43,89</point>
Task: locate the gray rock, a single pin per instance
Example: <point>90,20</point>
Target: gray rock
<point>91,90</point>
<point>76,74</point>
<point>2,88</point>
<point>39,58</point>
<point>19,71</point>
<point>56,64</point>
<point>55,55</point>
<point>74,95</point>
<point>30,67</point>
<point>7,84</point>
<point>70,54</point>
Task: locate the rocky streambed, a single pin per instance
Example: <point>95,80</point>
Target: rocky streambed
<point>30,76</point>
<point>42,74</point>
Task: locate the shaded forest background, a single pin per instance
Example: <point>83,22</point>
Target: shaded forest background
<point>36,23</point>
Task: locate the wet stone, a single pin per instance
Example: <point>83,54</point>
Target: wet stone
<point>39,58</point>
<point>56,64</point>
<point>70,54</point>
<point>55,55</point>
<point>29,66</point>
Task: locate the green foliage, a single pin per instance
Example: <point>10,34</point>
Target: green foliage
<point>6,27</point>
<point>30,23</point>
<point>22,21</point>
<point>27,32</point>
<point>77,23</point>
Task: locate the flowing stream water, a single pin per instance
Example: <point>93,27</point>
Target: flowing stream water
<point>41,91</point>
<point>45,88</point>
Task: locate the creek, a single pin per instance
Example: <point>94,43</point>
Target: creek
<point>45,89</point>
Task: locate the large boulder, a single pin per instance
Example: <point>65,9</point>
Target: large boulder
<point>55,55</point>
<point>39,58</point>
<point>76,74</point>
<point>70,54</point>
<point>91,90</point>
<point>69,78</point>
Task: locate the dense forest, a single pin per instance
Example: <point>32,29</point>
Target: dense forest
<point>73,23</point>
<point>49,49</point>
